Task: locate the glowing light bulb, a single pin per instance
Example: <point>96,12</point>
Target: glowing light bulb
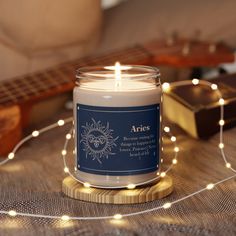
<point>176,149</point>
<point>68,136</point>
<point>221,101</point>
<point>131,186</point>
<point>63,152</point>
<point>11,155</point>
<point>163,174</point>
<point>65,217</point>
<point>12,213</point>
<point>174,161</point>
<point>221,145</point>
<point>173,138</point>
<point>167,205</point>
<point>61,122</point>
<point>214,87</point>
<point>66,170</point>
<point>210,186</point>
<point>221,122</point>
<point>87,185</point>
<point>35,133</point>
<point>117,216</point>
<point>195,81</point>
<point>167,129</point>
<point>228,165</point>
<point>166,87</point>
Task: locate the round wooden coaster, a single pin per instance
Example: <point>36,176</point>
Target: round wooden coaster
<point>159,190</point>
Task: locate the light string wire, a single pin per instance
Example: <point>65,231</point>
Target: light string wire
<point>166,87</point>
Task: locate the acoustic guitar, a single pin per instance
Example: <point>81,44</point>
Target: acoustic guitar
<point>18,95</point>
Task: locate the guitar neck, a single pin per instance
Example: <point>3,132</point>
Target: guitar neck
<point>60,79</point>
<point>181,53</point>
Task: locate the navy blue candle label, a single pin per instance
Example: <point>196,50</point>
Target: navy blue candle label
<point>118,140</point>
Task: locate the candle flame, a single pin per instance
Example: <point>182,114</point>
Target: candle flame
<point>117,68</point>
<point>117,71</point>
<point>122,67</point>
<point>118,74</point>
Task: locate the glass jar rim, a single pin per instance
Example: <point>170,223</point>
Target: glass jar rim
<point>127,72</point>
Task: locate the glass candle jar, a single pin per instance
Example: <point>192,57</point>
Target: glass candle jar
<point>117,113</point>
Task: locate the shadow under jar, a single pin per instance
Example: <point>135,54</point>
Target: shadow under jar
<point>117,113</point>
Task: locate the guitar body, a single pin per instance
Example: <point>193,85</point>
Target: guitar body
<point>10,128</point>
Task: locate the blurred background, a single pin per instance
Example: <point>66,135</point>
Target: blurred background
<point>38,34</point>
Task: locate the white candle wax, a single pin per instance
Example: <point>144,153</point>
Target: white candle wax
<point>125,93</point>
<point>128,93</point>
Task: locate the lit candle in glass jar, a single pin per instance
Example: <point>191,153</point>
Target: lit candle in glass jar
<point>117,111</point>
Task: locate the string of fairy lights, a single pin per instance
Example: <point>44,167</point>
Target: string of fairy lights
<point>166,87</point>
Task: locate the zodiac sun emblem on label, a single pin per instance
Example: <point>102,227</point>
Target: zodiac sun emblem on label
<point>97,140</point>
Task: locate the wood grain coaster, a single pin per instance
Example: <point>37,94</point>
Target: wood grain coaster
<point>76,190</point>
